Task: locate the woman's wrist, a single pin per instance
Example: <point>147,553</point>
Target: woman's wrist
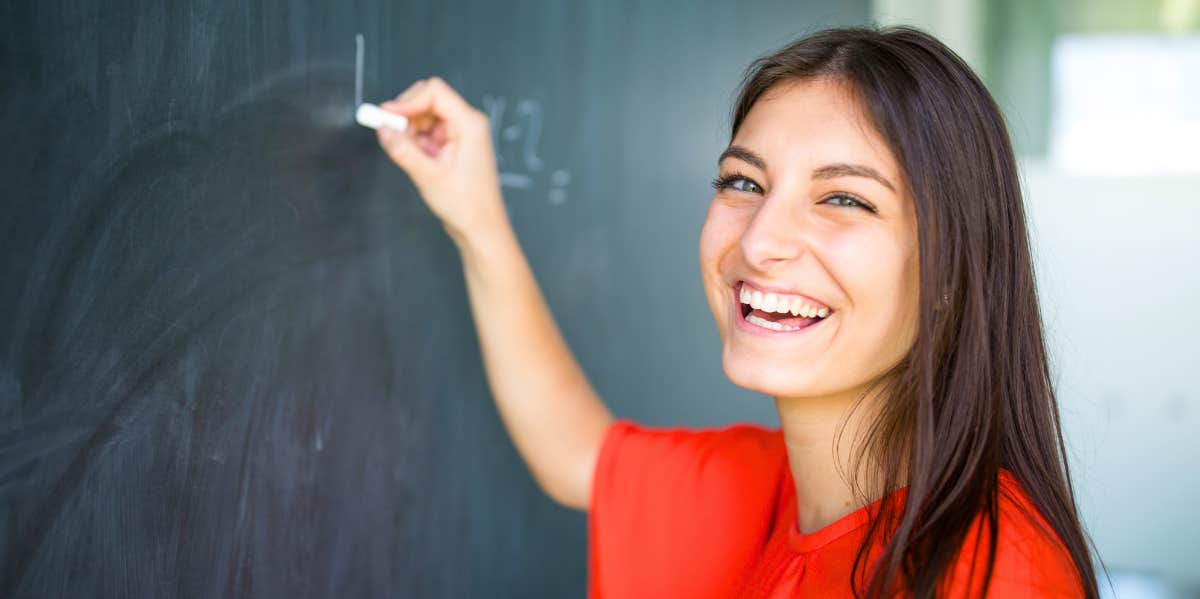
<point>479,244</point>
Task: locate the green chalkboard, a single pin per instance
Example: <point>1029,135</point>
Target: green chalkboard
<point>236,356</point>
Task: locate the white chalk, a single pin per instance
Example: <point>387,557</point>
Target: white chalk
<point>370,115</point>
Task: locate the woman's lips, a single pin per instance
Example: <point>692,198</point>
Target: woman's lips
<point>741,311</point>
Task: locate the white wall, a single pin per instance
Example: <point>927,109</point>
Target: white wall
<point>1118,266</point>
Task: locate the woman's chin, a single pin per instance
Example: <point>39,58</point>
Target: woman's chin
<point>773,377</point>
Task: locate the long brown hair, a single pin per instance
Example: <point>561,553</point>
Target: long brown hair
<point>974,393</point>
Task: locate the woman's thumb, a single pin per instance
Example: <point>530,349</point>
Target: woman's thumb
<point>404,151</point>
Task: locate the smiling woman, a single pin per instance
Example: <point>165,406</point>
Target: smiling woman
<point>867,266</point>
<point>817,218</point>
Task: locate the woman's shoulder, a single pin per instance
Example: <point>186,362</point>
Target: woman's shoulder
<point>1031,559</point>
<point>736,442</point>
<point>734,469</point>
<point>738,457</point>
<point>1023,528</point>
<point>681,512</point>
<point>736,430</point>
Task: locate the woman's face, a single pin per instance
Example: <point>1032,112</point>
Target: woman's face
<point>819,213</point>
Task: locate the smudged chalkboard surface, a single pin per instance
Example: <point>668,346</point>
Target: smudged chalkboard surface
<point>236,357</point>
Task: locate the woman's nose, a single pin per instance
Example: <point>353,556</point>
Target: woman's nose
<point>775,235</point>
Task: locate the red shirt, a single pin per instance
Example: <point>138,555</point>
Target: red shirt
<point>712,513</point>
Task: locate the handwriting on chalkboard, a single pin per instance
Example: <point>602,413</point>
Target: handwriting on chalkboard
<point>516,142</point>
<point>516,145</point>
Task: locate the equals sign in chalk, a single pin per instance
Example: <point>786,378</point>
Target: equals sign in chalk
<point>370,115</point>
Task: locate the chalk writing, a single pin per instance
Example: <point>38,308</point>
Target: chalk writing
<point>516,143</point>
<point>358,69</point>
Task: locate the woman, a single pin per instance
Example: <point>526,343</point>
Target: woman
<point>866,261</point>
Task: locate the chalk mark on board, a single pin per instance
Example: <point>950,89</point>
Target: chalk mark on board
<point>516,145</point>
<point>358,68</point>
<point>533,113</point>
<point>516,180</point>
<point>558,193</point>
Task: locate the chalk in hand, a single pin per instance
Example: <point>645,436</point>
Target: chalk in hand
<point>370,115</point>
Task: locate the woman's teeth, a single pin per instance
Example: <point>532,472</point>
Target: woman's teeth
<point>772,302</point>
<point>775,326</point>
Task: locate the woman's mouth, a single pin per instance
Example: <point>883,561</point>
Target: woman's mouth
<point>776,314</point>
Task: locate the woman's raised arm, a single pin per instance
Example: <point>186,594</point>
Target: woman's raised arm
<point>554,416</point>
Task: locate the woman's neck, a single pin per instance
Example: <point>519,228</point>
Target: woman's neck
<point>810,427</point>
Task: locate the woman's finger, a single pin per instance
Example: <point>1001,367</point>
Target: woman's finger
<point>438,134</point>
<point>409,91</point>
<point>433,96</point>
<point>405,151</point>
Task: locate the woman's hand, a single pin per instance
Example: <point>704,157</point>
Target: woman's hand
<point>447,151</point>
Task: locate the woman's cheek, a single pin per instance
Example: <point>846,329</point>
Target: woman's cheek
<point>877,272</point>
<point>714,244</point>
<point>719,234</point>
<point>857,260</point>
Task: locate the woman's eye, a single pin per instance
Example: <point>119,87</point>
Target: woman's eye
<point>849,201</point>
<point>737,182</point>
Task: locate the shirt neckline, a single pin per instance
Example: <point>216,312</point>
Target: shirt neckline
<point>804,543</point>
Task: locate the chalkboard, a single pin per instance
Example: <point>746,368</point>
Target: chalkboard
<point>236,355</point>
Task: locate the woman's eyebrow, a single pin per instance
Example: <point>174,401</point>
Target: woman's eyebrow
<point>828,171</point>
<point>833,171</point>
<point>743,154</point>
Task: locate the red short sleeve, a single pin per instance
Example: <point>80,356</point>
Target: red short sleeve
<point>680,513</point>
